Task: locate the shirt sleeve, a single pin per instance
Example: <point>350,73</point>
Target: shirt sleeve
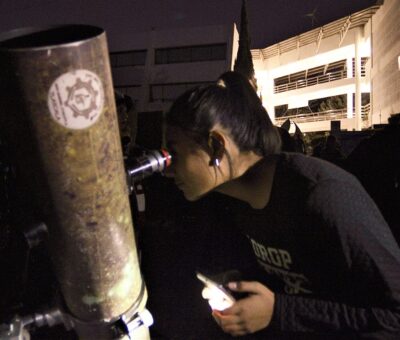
<point>371,261</point>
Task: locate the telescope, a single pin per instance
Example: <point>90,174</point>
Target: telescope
<point>58,118</point>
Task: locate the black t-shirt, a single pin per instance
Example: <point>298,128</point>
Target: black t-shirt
<point>328,253</point>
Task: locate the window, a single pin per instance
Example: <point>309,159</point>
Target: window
<point>190,54</point>
<point>312,76</point>
<point>338,102</point>
<point>280,110</point>
<point>315,72</point>
<point>338,66</point>
<point>218,52</point>
<point>281,81</point>
<point>179,55</point>
<point>298,111</point>
<point>299,76</point>
<point>201,53</point>
<point>169,92</point>
<point>128,58</point>
<point>365,100</point>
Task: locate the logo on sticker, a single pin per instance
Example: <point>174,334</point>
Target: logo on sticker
<point>76,99</point>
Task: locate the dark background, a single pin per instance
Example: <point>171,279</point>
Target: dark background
<point>270,21</point>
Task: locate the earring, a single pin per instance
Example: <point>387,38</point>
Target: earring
<point>217,148</point>
<point>215,162</point>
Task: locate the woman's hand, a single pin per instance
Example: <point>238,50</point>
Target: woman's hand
<point>250,314</point>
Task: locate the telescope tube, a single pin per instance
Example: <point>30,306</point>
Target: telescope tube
<point>56,83</point>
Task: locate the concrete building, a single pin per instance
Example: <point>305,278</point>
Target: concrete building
<point>385,65</point>
<point>155,67</point>
<point>346,71</point>
<point>335,72</point>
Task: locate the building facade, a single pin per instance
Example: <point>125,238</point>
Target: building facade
<point>385,65</point>
<point>347,71</point>
<point>155,67</point>
<point>336,72</point>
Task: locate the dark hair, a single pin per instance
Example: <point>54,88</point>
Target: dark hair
<point>232,103</point>
<point>288,143</point>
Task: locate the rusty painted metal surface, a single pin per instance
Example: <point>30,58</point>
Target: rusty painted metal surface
<point>58,106</point>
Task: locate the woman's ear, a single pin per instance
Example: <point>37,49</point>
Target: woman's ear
<point>216,143</point>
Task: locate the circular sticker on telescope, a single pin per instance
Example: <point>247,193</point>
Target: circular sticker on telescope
<point>76,99</point>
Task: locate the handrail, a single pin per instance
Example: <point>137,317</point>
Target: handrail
<point>323,115</point>
<point>365,111</point>
<point>314,116</point>
<point>326,78</point>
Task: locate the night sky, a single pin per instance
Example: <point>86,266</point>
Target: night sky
<point>270,20</point>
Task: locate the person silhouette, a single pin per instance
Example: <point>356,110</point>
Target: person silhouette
<point>376,163</point>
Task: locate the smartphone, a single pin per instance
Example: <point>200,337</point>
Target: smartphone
<point>219,298</point>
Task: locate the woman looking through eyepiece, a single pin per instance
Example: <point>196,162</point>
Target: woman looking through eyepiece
<point>313,229</point>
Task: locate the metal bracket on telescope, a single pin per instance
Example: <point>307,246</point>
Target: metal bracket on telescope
<point>14,330</point>
<point>130,321</point>
<point>125,327</point>
<point>19,327</point>
<point>144,166</point>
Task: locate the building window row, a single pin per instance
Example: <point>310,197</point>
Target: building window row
<point>186,54</point>
<point>190,54</point>
<point>159,92</point>
<point>128,58</point>
<point>169,92</point>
